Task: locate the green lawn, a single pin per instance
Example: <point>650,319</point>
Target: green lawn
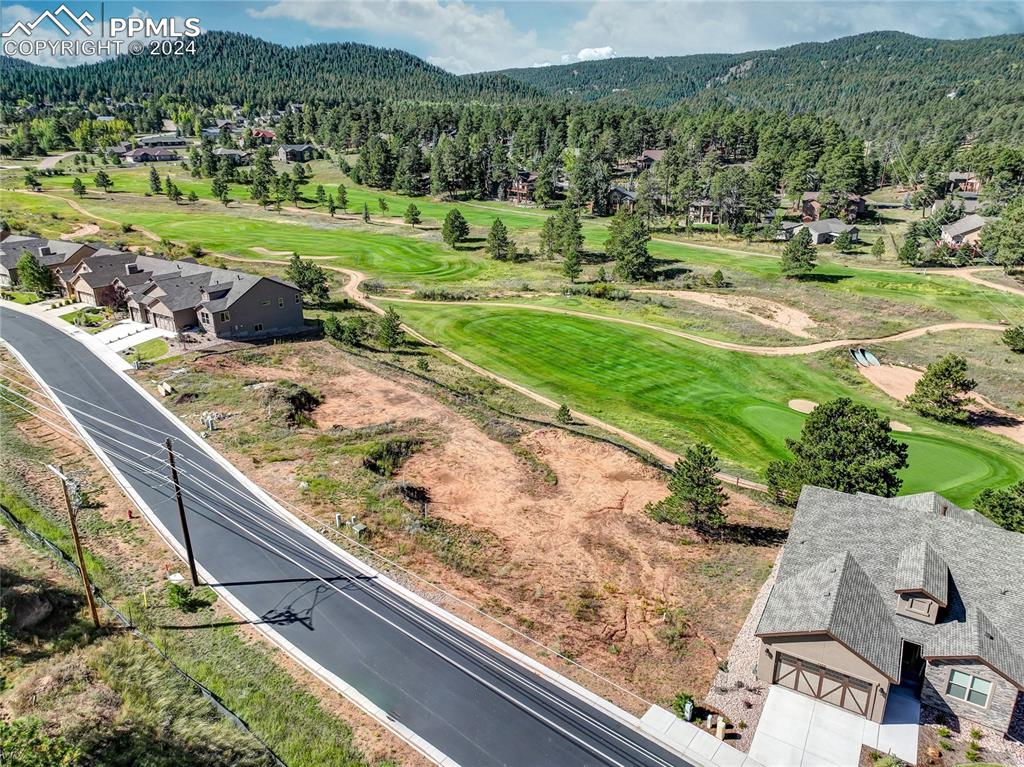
<point>152,349</point>
<point>21,297</point>
<point>674,392</point>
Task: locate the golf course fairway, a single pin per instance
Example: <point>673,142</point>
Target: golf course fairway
<point>674,392</point>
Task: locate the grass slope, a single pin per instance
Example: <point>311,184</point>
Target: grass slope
<point>674,392</point>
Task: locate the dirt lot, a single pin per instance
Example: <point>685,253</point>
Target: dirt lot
<point>541,527</point>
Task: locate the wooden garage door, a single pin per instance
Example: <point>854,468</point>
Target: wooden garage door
<point>817,681</point>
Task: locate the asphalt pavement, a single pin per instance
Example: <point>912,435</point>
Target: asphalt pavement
<point>472,703</point>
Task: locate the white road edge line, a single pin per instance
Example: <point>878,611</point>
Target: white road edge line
<point>289,518</point>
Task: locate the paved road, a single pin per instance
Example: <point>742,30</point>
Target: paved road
<point>53,160</point>
<point>473,704</point>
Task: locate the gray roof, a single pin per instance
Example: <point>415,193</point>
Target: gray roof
<point>158,151</point>
<point>100,269</point>
<point>983,594</point>
<point>297,147</point>
<point>180,285</point>
<point>836,597</point>
<point>965,225</point>
<point>920,568</point>
<point>46,252</point>
<point>829,225</point>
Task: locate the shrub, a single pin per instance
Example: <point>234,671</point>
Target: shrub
<point>564,415</point>
<point>385,458</point>
<point>680,701</point>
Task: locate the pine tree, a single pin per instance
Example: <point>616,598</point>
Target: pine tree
<point>389,331</point>
<point>910,252</point>
<point>382,204</point>
<point>366,213</point>
<point>844,242</point>
<point>192,196</point>
<point>564,415</point>
<point>941,392</point>
<point>155,186</point>
<point>697,496</point>
<point>332,206</point>
<point>321,195</point>
<point>798,256</point>
<point>342,198</point>
<point>568,231</point>
<point>411,215</point>
<point>878,248</point>
<point>455,229</point>
<point>627,244</point>
<point>1013,337</point>
<point>32,275</point>
<point>78,187</point>
<point>500,246</point>
<point>571,266</point>
<point>309,277</point>
<point>102,180</point>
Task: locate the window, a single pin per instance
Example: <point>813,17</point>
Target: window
<point>920,605</point>
<point>298,298</point>
<point>258,327</point>
<point>205,316</point>
<point>280,302</point>
<point>225,316</point>
<point>973,689</point>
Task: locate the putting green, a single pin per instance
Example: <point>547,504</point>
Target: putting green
<point>674,392</point>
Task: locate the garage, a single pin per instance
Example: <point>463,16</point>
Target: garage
<point>840,690</point>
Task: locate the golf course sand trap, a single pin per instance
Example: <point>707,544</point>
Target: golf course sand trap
<point>760,310</point>
<point>802,405</point>
<point>899,426</point>
<point>899,382</point>
<point>265,252</point>
<point>85,230</point>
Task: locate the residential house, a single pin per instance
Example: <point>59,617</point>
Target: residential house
<point>296,152</point>
<point>93,279</point>
<point>162,140</point>
<point>786,230</point>
<point>811,206</point>
<point>874,593</point>
<point>961,181</point>
<point>648,158</point>
<point>59,256</point>
<point>827,230</point>
<point>966,231</point>
<point>521,189</point>
<point>223,303</point>
<point>703,212</point>
<point>143,154</point>
<point>236,157</point>
<point>966,202</point>
<point>620,197</point>
<point>263,136</point>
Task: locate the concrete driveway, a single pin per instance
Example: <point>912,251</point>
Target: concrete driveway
<point>798,731</point>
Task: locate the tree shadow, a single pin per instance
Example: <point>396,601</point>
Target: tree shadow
<point>994,418</point>
<point>751,535</point>
<point>827,279</point>
<point>672,272</point>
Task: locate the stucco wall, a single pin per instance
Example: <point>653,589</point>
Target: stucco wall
<point>827,652</point>
<point>1002,699</point>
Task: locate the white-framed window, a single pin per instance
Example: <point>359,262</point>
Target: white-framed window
<point>258,327</point>
<point>280,302</point>
<point>968,687</point>
<point>225,316</point>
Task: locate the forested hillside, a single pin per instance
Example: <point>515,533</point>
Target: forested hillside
<point>879,85</point>
<point>230,68</point>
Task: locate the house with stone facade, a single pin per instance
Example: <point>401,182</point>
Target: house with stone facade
<point>911,592</point>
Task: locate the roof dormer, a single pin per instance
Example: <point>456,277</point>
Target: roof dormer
<point>922,583</point>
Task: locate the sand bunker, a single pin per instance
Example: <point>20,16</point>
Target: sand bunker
<point>802,405</point>
<point>899,426</point>
<point>899,382</point>
<point>768,313</point>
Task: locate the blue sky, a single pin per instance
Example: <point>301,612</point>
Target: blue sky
<point>470,35</point>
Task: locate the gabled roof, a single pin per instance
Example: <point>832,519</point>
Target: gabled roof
<point>984,597</point>
<point>965,225</point>
<point>836,597</point>
<point>297,147</point>
<point>920,568</point>
<point>830,226</point>
<point>46,252</point>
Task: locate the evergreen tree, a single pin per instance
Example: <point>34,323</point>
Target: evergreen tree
<point>571,266</point>
<point>798,256</point>
<point>455,229</point>
<point>321,195</point>
<point>844,446</point>
<point>192,196</point>
<point>697,496</point>
<point>1013,337</point>
<point>878,248</point>
<point>411,215</point>
<point>910,252</point>
<point>382,204</point>
<point>102,181</point>
<point>32,275</point>
<point>628,237</point>
<point>500,246</point>
<point>155,186</point>
<point>342,198</point>
<point>568,231</point>
<point>366,213</point>
<point>389,330</point>
<point>564,415</point>
<point>309,277</point>
<point>332,206</point>
<point>548,238</point>
<point>1005,507</point>
<point>78,187</point>
<point>844,242</point>
<point>941,392</point>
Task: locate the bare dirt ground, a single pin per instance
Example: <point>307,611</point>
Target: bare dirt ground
<point>579,565</point>
<point>85,230</point>
<point>264,252</point>
<point>768,313</point>
<point>899,382</point>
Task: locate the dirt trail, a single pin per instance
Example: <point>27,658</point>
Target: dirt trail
<point>899,382</point>
<point>85,230</point>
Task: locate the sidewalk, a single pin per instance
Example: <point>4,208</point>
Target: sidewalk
<point>53,317</point>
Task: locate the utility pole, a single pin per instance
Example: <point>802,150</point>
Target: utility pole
<point>181,514</point>
<point>72,517</point>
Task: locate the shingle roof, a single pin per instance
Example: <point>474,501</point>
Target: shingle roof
<point>983,593</point>
<point>920,568</point>
<point>830,225</point>
<point>965,225</point>
<point>836,597</point>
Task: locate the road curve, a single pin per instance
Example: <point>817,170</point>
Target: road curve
<point>51,162</point>
<point>476,705</point>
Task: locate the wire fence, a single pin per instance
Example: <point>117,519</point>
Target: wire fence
<point>65,561</point>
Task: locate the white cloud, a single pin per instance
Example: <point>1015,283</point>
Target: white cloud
<point>462,37</point>
<point>590,54</point>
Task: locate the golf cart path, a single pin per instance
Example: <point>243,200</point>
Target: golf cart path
<point>54,160</point>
